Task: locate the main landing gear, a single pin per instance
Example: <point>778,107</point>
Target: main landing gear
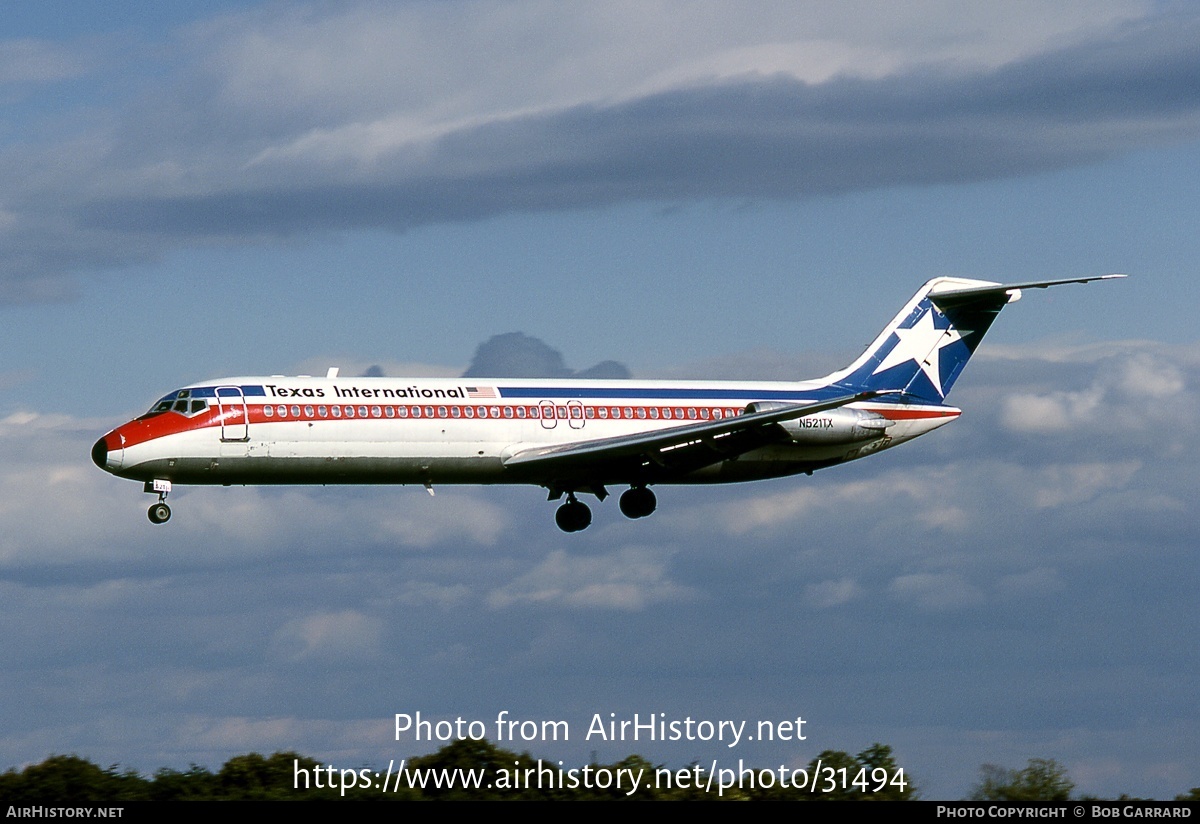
<point>637,502</point>
<point>159,513</point>
<point>574,515</point>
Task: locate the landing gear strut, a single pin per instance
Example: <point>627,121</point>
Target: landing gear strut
<point>573,515</point>
<point>637,502</point>
<point>159,513</point>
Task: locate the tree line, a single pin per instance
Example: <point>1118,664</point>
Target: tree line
<point>69,779</point>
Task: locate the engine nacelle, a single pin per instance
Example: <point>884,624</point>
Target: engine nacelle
<point>833,426</point>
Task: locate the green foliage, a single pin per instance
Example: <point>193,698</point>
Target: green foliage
<point>69,779</point>
<point>196,784</point>
<point>1042,779</point>
<point>503,774</point>
<point>456,759</point>
<point>258,778</point>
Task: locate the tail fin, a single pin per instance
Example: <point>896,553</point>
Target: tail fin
<point>925,347</point>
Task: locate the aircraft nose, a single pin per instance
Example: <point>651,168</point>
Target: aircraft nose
<point>100,454</point>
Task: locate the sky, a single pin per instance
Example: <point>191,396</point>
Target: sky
<point>709,190</point>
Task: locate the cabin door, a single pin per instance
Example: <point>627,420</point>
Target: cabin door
<point>234,416</point>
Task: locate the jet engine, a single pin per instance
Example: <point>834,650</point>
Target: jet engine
<point>833,426</point>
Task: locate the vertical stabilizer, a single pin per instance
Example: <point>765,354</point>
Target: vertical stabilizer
<point>925,347</point>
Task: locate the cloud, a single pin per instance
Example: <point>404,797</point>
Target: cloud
<point>936,592</point>
<point>282,122</point>
<point>630,578</point>
<point>330,635</point>
<point>357,365</point>
<point>1132,381</point>
<point>829,594</point>
<point>1033,583</point>
<point>1113,401</point>
<point>517,355</point>
<point>30,62</point>
<point>1075,483</point>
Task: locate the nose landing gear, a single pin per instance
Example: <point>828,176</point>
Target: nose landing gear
<point>159,513</point>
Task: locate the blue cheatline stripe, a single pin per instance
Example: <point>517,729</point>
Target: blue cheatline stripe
<point>744,395</point>
<point>618,394</point>
<point>615,393</point>
<point>250,391</point>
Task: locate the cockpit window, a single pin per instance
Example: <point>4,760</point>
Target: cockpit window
<point>181,402</point>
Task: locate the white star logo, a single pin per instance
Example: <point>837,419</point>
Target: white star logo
<point>922,343</point>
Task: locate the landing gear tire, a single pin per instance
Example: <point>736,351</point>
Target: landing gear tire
<point>637,502</point>
<point>159,513</point>
<point>573,516</point>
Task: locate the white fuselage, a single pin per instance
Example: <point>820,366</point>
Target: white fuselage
<point>386,430</point>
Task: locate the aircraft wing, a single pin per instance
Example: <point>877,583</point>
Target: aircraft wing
<point>681,448</point>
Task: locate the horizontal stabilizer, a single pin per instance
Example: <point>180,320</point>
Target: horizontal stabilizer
<point>944,297</point>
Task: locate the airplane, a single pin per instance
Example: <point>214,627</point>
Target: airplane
<point>571,437</point>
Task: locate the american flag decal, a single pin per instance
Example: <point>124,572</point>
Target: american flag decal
<point>481,392</point>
